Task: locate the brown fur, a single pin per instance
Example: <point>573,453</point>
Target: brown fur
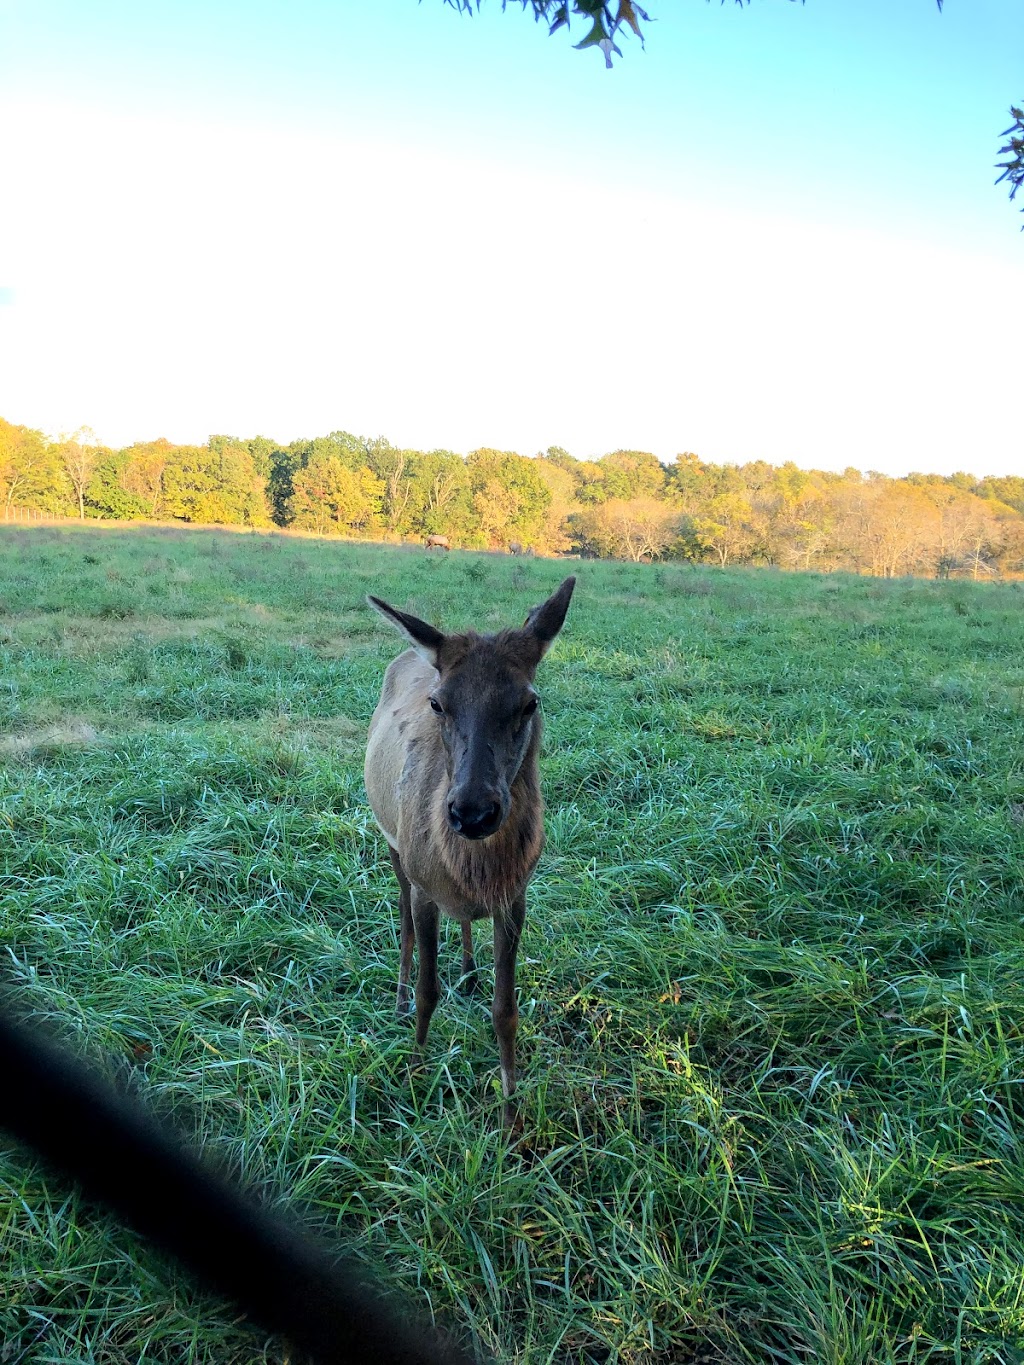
<point>468,881</point>
<point>438,777</point>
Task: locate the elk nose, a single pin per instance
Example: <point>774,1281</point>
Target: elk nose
<point>474,819</point>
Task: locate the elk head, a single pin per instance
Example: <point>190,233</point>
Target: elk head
<point>485,705</point>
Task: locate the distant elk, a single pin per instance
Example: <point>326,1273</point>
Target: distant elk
<point>438,543</point>
<point>453,779</point>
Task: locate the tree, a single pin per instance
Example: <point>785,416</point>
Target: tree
<point>142,474</point>
<point>330,498</point>
<point>727,528</point>
<point>441,503</point>
<point>1013,168</point>
<point>555,536</point>
<point>497,510</point>
<point>1008,542</point>
<point>635,528</point>
<point>604,28</point>
<point>79,455</point>
<point>285,463</point>
<point>558,14</point>
<point>509,496</point>
<point>393,467</point>
<point>220,486</point>
<point>30,473</point>
<point>344,484</point>
<point>793,505</point>
<point>1009,490</point>
<point>632,474</point>
<point>108,494</point>
<point>961,529</point>
<point>891,527</point>
<point>686,480</point>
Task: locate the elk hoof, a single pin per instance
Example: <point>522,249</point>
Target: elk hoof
<point>511,1119</point>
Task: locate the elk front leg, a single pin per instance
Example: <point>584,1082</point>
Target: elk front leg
<point>424,918</point>
<point>407,937</point>
<point>508,926</point>
<point>468,982</point>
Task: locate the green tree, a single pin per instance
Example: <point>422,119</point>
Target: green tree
<point>332,499</point>
<point>220,486</point>
<point>590,481</point>
<point>30,471</point>
<point>632,474</point>
<point>686,481</point>
<point>80,454</point>
<point>142,474</point>
<point>558,455</point>
<point>510,497</point>
<point>728,528</point>
<point>107,494</point>
<point>395,470</point>
<point>1009,489</point>
<point>286,461</point>
<point>262,450</point>
<point>555,536</point>
<point>352,452</point>
<point>441,501</point>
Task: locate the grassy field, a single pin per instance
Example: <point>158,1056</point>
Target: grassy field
<point>772,983</point>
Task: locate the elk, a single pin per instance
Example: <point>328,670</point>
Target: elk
<point>438,543</point>
<point>453,780</point>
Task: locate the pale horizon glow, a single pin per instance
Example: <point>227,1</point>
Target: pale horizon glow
<point>182,276</point>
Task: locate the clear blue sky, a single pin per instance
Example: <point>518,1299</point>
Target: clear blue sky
<point>787,181</point>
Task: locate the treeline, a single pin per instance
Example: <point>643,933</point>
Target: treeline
<point>625,505</point>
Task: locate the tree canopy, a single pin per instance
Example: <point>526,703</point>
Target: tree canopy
<point>625,505</point>
<point>603,26</point>
<point>1013,168</point>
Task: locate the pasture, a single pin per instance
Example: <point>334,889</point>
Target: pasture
<point>771,984</point>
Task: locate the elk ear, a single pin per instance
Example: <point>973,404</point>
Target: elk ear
<point>545,621</point>
<point>425,640</point>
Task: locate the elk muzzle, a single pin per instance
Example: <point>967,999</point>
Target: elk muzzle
<point>475,817</point>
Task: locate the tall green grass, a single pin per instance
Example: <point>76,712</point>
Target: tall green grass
<point>771,985</point>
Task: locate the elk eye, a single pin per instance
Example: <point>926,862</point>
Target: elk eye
<point>435,705</point>
<point>530,707</point>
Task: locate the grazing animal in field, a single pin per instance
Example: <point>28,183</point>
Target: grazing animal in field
<point>438,543</point>
<point>514,547</point>
<point>453,779</point>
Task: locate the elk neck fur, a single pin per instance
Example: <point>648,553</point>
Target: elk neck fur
<point>408,784</point>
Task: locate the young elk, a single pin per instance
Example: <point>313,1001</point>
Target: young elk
<point>453,780</point>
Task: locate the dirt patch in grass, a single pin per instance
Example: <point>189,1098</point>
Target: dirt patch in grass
<point>331,646</point>
<point>87,636</point>
<point>71,732</point>
<point>334,732</point>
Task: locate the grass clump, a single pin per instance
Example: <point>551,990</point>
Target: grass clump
<point>772,1012</point>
